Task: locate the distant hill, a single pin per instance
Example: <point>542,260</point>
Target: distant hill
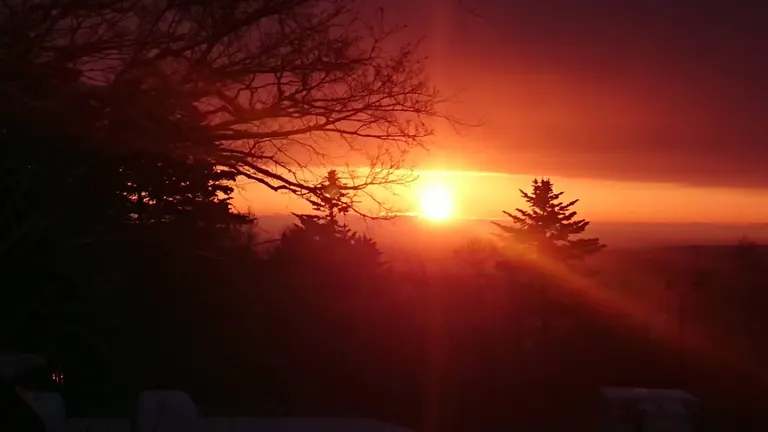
<point>410,231</point>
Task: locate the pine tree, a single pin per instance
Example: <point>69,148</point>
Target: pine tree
<point>331,197</point>
<point>549,225</point>
<point>322,239</point>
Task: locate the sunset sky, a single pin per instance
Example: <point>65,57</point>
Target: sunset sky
<point>646,110</point>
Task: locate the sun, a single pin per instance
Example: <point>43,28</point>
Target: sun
<point>436,203</point>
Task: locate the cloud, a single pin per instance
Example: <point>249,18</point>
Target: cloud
<point>667,91</point>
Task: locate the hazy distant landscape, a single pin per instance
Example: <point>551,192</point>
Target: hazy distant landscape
<point>618,235</point>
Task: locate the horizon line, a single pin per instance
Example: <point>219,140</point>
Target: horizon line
<point>490,219</point>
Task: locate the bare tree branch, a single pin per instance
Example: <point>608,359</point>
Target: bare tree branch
<point>266,88</point>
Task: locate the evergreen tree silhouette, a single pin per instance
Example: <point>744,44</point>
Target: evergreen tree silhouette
<point>549,225</point>
<point>321,239</point>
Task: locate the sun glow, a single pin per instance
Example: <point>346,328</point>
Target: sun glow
<point>436,203</point>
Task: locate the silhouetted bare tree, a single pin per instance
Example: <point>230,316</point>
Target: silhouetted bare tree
<point>549,225</point>
<point>268,89</point>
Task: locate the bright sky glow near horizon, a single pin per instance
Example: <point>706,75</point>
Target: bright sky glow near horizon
<point>646,111</point>
<point>484,195</point>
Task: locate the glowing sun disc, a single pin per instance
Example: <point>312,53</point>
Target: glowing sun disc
<point>436,203</point>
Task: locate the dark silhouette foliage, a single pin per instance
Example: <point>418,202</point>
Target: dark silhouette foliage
<point>549,226</point>
<point>100,237</point>
<point>322,243</point>
<point>265,89</point>
<point>326,242</point>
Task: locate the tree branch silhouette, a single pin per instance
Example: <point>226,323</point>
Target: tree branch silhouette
<point>269,90</point>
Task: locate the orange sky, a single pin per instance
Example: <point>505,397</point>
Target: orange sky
<point>486,194</point>
<point>652,111</point>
